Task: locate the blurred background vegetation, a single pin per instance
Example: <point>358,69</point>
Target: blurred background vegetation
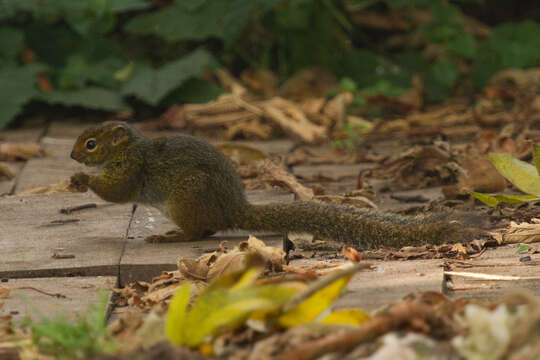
<point>140,56</point>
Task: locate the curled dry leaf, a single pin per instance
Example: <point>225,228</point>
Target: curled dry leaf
<point>290,117</point>
<point>277,174</point>
<point>58,188</point>
<point>5,172</point>
<point>20,151</point>
<point>520,233</point>
<point>4,291</point>
<point>478,175</point>
<point>242,154</point>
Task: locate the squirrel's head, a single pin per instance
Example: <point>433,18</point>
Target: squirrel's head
<point>97,144</point>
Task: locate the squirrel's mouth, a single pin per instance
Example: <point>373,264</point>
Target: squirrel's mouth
<point>78,157</point>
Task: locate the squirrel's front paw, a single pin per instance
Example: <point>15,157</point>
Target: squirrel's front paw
<point>79,182</point>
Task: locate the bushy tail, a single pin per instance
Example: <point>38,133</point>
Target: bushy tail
<point>362,228</point>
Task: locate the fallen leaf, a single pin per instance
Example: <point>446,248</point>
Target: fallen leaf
<point>4,291</point>
<point>351,317</point>
<point>58,188</point>
<point>521,233</point>
<point>523,175</point>
<point>20,151</point>
<point>5,171</point>
<point>493,200</point>
<point>290,117</point>
<point>277,174</point>
<point>309,309</point>
<point>242,154</point>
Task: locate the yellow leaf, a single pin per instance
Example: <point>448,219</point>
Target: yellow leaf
<point>227,308</point>
<point>309,309</point>
<point>174,325</point>
<point>352,317</point>
<point>536,157</point>
<point>206,349</point>
<point>523,175</point>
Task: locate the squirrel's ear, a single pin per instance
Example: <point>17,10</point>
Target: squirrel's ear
<point>119,134</point>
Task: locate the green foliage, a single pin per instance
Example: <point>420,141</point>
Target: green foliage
<point>198,20</point>
<point>152,85</point>
<point>135,51</point>
<point>509,46</point>
<point>524,176</point>
<point>85,337</point>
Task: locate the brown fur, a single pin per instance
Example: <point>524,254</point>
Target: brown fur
<point>195,186</point>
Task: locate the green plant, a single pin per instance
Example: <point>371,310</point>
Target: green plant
<point>84,337</point>
<point>524,176</point>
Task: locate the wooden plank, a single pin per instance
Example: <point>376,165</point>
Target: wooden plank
<point>51,169</point>
<point>76,293</point>
<point>29,237</point>
<point>391,281</point>
<point>502,262</point>
<point>20,135</point>
<point>142,261</point>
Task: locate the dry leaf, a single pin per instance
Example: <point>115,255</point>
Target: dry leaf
<point>5,171</point>
<point>241,154</point>
<point>277,174</point>
<point>522,233</point>
<point>58,188</point>
<point>290,117</point>
<point>4,291</point>
<point>20,151</point>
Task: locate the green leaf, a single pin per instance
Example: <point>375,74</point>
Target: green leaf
<point>91,97</point>
<point>194,91</point>
<point>118,6</point>
<point>11,40</point>
<point>536,157</point>
<point>18,87</point>
<point>226,303</point>
<point>309,309</point>
<point>152,85</point>
<point>463,45</point>
<point>222,19</point>
<point>493,200</point>
<point>440,80</point>
<point>523,248</point>
<point>523,175</point>
<point>177,314</point>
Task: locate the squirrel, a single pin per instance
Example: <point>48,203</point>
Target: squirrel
<point>193,184</point>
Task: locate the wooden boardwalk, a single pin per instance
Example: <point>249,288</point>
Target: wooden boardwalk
<point>74,255</point>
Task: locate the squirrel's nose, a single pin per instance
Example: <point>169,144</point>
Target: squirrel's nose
<point>72,155</point>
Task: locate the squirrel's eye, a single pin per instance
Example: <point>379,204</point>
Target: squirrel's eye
<point>91,144</point>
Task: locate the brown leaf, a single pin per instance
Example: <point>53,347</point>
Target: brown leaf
<point>249,129</point>
<point>308,83</point>
<point>20,151</point>
<point>4,291</point>
<point>522,232</point>
<point>5,171</point>
<point>279,175</point>
<point>242,154</point>
<point>479,175</point>
<point>58,188</point>
<point>262,81</point>
<point>290,117</point>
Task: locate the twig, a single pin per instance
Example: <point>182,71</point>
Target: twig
<point>56,295</point>
<point>398,315</point>
<point>69,210</point>
<point>481,276</point>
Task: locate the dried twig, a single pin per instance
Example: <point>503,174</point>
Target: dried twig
<point>397,315</point>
